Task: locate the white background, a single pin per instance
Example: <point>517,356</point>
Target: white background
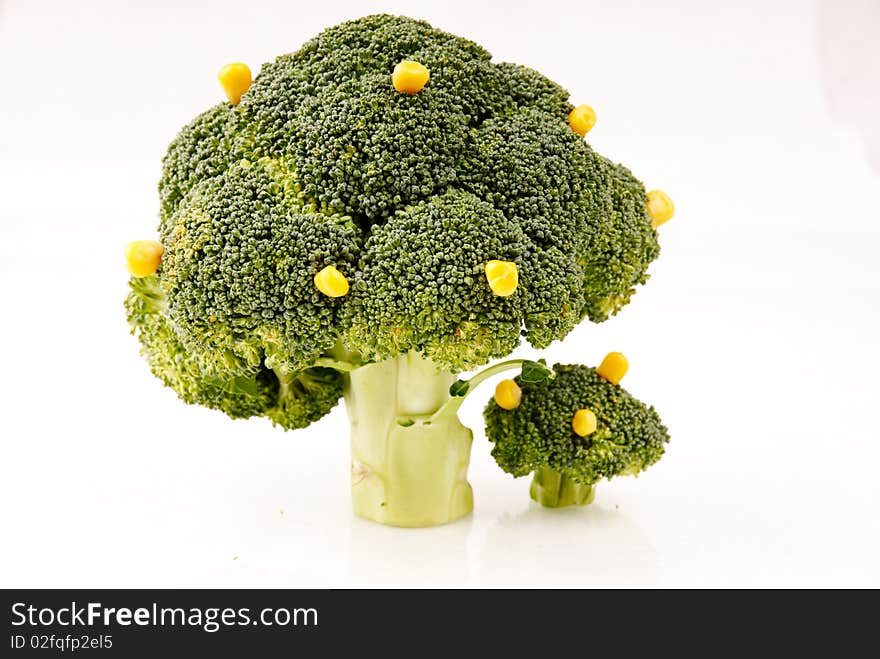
<point>756,337</point>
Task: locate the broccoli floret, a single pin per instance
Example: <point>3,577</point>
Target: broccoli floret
<point>362,148</point>
<point>304,397</point>
<point>554,300</point>
<point>420,285</point>
<point>521,87</point>
<point>240,317</point>
<point>241,254</point>
<point>620,241</point>
<point>236,392</point>
<point>292,402</point>
<point>537,435</point>
<point>536,170</point>
<point>374,44</point>
<point>302,102</point>
<point>342,226</point>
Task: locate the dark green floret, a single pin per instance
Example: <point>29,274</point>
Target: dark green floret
<point>201,150</point>
<point>521,87</point>
<point>375,44</point>
<point>362,148</point>
<point>538,172</point>
<point>421,285</point>
<point>240,263</point>
<point>534,169</point>
<point>619,243</point>
<point>554,297</point>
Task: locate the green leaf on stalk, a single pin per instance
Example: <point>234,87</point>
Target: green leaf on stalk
<point>535,372</point>
<point>459,388</point>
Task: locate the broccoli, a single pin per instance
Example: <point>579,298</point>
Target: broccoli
<point>370,216</point>
<point>571,431</point>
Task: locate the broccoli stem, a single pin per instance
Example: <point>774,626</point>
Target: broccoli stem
<point>340,358</point>
<point>409,465</point>
<point>555,490</point>
<point>454,404</point>
<point>329,362</point>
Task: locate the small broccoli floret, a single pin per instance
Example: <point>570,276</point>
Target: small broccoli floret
<point>264,116</point>
<point>421,285</point>
<point>538,436</point>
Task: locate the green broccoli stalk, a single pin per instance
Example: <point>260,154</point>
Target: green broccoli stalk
<point>408,468</point>
<point>410,452</point>
<point>554,489</point>
<point>569,453</point>
<point>331,231</point>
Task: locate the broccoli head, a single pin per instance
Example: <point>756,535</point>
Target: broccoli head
<point>572,431</point>
<point>390,202</point>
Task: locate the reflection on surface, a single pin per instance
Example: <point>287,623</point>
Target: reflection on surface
<point>594,546</point>
<point>585,547</point>
<point>389,556</point>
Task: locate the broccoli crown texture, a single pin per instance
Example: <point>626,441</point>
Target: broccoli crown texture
<point>629,436</point>
<point>323,163</point>
<point>240,276</point>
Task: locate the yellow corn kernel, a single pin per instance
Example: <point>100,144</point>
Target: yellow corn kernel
<point>613,367</point>
<point>331,282</point>
<point>143,257</point>
<point>584,422</point>
<point>235,79</point>
<point>409,77</point>
<point>660,207</point>
<point>507,395</point>
<point>582,119</point>
<point>503,277</point>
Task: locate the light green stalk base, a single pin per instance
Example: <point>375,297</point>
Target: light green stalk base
<point>407,468</point>
<point>554,490</point>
